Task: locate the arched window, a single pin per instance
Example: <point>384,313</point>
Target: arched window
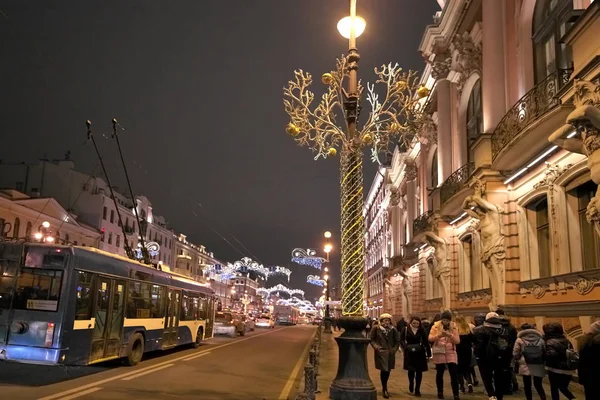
<point>28,229</point>
<point>578,199</point>
<point>16,228</point>
<point>551,21</point>
<point>474,117</point>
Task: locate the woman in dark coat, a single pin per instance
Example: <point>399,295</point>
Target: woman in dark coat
<point>588,363</point>
<point>385,341</point>
<point>559,373</point>
<point>464,350</point>
<point>415,346</point>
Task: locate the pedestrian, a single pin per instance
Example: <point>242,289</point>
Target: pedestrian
<point>385,340</point>
<point>464,350</point>
<point>426,325</point>
<point>559,354</point>
<point>529,353</point>
<point>401,324</point>
<point>494,356</point>
<point>444,336</point>
<point>511,332</point>
<point>589,353</point>
<point>415,346</point>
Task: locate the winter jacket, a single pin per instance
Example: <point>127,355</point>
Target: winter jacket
<point>415,360</point>
<point>484,334</point>
<point>385,342</point>
<point>401,325</point>
<point>529,337</point>
<point>444,348</point>
<point>464,350</point>
<point>589,355</point>
<point>508,329</point>
<point>556,349</point>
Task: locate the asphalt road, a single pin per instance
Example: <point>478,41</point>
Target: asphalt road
<point>265,364</point>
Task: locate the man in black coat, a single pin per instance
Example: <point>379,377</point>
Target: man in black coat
<point>510,331</point>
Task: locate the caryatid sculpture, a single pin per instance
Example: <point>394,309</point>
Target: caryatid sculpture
<point>441,266</point>
<point>585,119</point>
<point>493,252</point>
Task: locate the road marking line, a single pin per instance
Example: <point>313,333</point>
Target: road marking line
<point>147,372</point>
<point>114,378</point>
<point>76,395</point>
<point>196,356</point>
<point>294,375</point>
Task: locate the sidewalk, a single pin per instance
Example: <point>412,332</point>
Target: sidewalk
<point>398,383</point>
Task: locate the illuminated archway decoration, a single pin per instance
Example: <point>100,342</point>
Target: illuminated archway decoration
<point>278,289</point>
<point>277,270</point>
<point>307,257</point>
<point>152,247</point>
<point>315,280</point>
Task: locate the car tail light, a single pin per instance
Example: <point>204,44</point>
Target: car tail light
<point>49,334</point>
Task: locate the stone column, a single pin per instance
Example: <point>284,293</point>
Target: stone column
<point>411,196</point>
<point>493,80</point>
<point>444,126</point>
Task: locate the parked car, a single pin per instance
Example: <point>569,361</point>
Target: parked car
<point>265,321</point>
<point>317,321</point>
<point>229,323</point>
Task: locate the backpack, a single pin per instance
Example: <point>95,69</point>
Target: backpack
<point>533,354</point>
<point>497,345</point>
<point>572,358</point>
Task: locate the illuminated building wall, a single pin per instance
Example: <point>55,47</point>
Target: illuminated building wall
<point>503,78</point>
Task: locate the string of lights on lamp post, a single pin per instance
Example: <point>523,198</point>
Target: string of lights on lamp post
<point>395,118</point>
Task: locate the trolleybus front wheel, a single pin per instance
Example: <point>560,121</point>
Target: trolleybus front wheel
<point>199,335</point>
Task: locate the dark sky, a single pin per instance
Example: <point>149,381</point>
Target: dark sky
<point>198,87</point>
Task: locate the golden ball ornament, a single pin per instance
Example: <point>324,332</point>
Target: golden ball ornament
<point>367,139</point>
<point>401,85</point>
<point>327,78</point>
<point>422,91</point>
<point>332,152</point>
<point>394,127</point>
<point>292,129</point>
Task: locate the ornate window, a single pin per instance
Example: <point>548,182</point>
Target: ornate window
<point>539,224</point>
<point>16,228</point>
<point>474,117</point>
<point>551,21</point>
<point>584,235</point>
<point>472,274</point>
<point>28,229</point>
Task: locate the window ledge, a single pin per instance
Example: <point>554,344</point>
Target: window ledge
<point>582,281</point>
<point>475,296</point>
<point>434,302</point>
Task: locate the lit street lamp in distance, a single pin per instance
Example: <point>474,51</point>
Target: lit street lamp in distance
<point>43,234</point>
<point>327,318</point>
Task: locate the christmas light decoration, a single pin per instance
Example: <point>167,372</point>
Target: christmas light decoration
<point>307,257</point>
<point>277,270</point>
<point>315,280</point>
<point>279,288</point>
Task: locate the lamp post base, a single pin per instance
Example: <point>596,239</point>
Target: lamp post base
<point>327,324</point>
<point>352,381</point>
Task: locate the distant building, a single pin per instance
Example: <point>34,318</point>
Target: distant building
<point>22,216</point>
<point>89,198</point>
<point>376,244</point>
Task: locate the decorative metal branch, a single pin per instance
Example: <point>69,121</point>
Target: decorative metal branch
<point>394,118</point>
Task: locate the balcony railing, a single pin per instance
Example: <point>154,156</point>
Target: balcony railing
<point>422,223</point>
<point>530,107</point>
<point>455,182</point>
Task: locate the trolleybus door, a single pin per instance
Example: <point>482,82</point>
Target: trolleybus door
<point>171,318</point>
<point>108,311</point>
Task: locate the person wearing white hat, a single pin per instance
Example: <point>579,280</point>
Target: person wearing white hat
<point>385,341</point>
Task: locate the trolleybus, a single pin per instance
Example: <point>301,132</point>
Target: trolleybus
<point>78,305</point>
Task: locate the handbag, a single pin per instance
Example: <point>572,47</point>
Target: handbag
<point>414,347</point>
<point>438,349</point>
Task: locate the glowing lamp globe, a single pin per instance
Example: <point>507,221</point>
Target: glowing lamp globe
<point>327,234</point>
<point>38,236</point>
<point>347,23</point>
<point>46,224</point>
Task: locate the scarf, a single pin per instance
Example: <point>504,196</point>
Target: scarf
<point>490,325</point>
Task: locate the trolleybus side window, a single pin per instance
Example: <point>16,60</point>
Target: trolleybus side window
<point>189,307</point>
<point>139,300</point>
<point>84,299</point>
<point>157,309</point>
<point>202,307</point>
<point>37,289</point>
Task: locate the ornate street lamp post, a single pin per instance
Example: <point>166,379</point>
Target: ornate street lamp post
<point>394,119</point>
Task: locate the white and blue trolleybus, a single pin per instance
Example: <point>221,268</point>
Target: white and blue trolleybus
<point>78,305</point>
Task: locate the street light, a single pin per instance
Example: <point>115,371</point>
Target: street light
<point>395,119</point>
<point>327,234</point>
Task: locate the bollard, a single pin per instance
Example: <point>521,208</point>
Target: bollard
<point>309,381</point>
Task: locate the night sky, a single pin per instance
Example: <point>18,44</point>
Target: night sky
<point>197,85</point>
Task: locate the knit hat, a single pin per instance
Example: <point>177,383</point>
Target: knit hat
<point>595,328</point>
<point>447,315</point>
<point>491,315</point>
<point>385,316</point>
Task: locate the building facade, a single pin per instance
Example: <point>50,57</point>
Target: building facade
<point>90,199</point>
<point>376,244</point>
<point>21,217</point>
<point>505,213</point>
